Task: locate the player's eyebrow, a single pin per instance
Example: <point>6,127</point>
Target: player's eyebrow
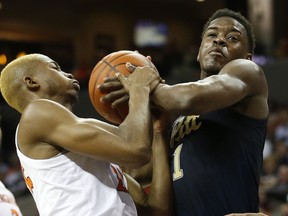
<point>233,29</point>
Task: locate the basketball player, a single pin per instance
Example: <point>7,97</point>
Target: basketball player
<point>69,163</point>
<point>217,141</point>
<point>8,205</point>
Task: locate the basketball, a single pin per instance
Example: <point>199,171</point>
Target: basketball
<point>108,66</point>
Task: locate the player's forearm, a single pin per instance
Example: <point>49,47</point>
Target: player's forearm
<point>175,99</point>
<point>139,121</point>
<point>197,97</point>
<point>139,116</point>
<point>160,197</point>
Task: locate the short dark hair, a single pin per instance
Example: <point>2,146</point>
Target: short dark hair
<point>240,18</point>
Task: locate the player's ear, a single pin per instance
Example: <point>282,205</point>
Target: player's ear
<point>249,56</point>
<point>31,83</point>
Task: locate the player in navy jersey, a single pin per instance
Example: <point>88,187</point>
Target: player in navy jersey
<point>217,142</point>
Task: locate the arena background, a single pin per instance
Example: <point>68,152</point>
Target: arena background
<point>78,33</point>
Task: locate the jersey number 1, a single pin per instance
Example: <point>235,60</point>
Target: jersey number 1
<point>178,172</point>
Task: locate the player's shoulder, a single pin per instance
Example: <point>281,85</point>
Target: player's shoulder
<point>243,66</point>
<point>42,112</point>
<point>246,70</point>
<point>41,107</point>
<point>43,103</point>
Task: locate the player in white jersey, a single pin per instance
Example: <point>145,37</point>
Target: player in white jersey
<point>67,161</point>
<point>86,182</point>
<point>8,205</point>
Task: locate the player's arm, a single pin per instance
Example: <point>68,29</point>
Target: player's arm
<point>238,80</point>
<point>158,201</point>
<point>127,145</point>
<point>143,175</point>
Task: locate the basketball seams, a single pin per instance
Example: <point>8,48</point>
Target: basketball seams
<point>121,61</point>
<point>109,62</point>
<point>113,68</point>
<point>112,63</point>
<point>97,78</point>
<point>99,64</point>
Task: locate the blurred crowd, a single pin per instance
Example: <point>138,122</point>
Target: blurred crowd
<point>273,191</point>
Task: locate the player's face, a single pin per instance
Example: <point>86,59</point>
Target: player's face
<point>58,85</point>
<point>224,40</point>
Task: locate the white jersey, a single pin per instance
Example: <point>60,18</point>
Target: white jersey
<point>72,184</point>
<point>9,208</point>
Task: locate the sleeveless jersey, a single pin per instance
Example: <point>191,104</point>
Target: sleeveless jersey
<point>72,184</point>
<point>216,163</point>
<point>11,208</point>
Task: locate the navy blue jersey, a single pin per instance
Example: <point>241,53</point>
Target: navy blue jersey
<point>216,163</point>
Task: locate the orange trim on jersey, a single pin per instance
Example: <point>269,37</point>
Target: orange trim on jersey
<point>14,212</point>
<point>28,181</point>
<point>119,175</point>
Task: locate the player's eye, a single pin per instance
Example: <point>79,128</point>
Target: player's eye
<point>55,67</point>
<point>232,38</point>
<point>211,34</point>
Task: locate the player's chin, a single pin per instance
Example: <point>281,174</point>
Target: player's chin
<point>74,99</point>
<point>212,67</point>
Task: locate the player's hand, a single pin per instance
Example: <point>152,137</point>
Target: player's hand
<point>132,68</point>
<point>141,76</point>
<point>114,93</point>
<point>113,89</point>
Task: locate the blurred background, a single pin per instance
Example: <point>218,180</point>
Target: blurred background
<point>79,33</point>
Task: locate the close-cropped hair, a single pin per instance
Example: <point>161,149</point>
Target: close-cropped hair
<point>11,76</point>
<point>240,18</point>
